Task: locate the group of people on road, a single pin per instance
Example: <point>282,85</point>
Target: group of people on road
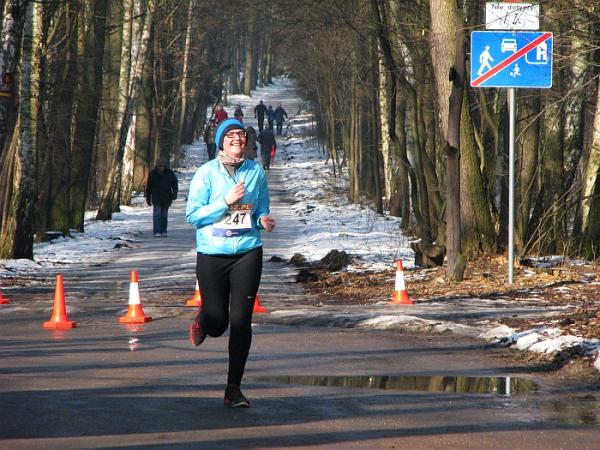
<point>229,205</point>
<point>277,116</point>
<point>265,136</point>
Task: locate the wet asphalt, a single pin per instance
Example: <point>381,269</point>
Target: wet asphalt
<point>105,385</point>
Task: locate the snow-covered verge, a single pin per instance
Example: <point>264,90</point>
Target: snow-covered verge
<point>95,245</point>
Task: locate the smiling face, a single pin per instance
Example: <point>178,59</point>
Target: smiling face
<point>234,143</point>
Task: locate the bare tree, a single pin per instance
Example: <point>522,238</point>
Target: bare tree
<point>129,86</point>
<point>16,235</point>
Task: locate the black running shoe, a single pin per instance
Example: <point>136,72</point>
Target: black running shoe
<point>197,334</point>
<point>234,397</point>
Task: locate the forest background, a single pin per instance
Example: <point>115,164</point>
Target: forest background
<point>93,92</point>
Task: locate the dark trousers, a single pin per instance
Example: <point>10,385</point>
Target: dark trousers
<point>211,149</point>
<point>270,123</point>
<point>279,128</point>
<point>228,286</point>
<point>160,215</point>
<point>266,159</point>
<point>261,123</point>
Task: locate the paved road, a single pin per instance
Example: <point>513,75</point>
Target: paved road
<point>89,389</point>
<point>105,385</point>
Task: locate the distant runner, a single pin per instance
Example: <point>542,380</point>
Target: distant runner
<point>259,113</point>
<point>220,115</point>
<point>280,116</point>
<point>268,145</point>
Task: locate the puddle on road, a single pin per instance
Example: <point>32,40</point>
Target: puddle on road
<point>564,407</point>
<point>454,384</point>
<point>133,344</point>
<point>580,410</point>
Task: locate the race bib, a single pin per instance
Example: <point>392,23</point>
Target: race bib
<point>236,221</point>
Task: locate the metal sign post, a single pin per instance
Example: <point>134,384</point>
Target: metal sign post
<point>511,60</point>
<point>512,107</point>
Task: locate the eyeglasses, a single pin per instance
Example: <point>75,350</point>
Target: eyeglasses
<point>233,134</point>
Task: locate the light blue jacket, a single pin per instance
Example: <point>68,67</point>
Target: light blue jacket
<point>206,205</point>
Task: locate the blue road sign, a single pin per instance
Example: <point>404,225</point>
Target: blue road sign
<point>511,60</point>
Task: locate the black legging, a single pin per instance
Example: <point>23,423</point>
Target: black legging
<point>228,286</point>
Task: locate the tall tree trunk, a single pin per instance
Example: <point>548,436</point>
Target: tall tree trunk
<point>478,236</point>
<point>57,166</point>
<point>12,30</point>
<point>184,91</point>
<point>269,60</point>
<point>108,201</point>
<point>129,154</point>
<point>590,180</point>
<point>250,63</point>
<point>234,72</point>
<point>593,163</point>
<point>401,196</point>
<point>386,145</point>
<point>131,96</point>
<point>387,92</point>
<point>16,235</point>
<point>90,50</point>
<point>527,165</point>
<point>448,58</point>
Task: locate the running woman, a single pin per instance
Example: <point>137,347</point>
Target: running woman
<point>228,204</point>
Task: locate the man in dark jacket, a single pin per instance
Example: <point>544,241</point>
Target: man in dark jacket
<point>280,116</point>
<point>209,139</point>
<point>268,145</point>
<point>161,190</point>
<point>259,114</point>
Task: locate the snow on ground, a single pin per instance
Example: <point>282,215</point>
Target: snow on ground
<point>92,246</point>
<point>374,241</point>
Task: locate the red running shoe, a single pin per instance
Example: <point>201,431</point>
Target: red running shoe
<point>197,334</point>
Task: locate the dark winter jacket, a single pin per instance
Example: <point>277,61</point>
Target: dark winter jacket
<point>260,110</point>
<point>238,114</point>
<point>267,140</point>
<point>161,189</point>
<point>280,114</point>
<point>250,148</point>
<point>270,114</point>
<point>209,134</point>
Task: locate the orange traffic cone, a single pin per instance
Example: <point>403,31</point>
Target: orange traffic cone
<point>135,313</point>
<point>3,300</point>
<point>59,320</point>
<point>400,295</point>
<point>197,299</point>
<point>258,308</point>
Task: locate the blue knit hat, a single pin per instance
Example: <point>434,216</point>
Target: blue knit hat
<point>224,127</point>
